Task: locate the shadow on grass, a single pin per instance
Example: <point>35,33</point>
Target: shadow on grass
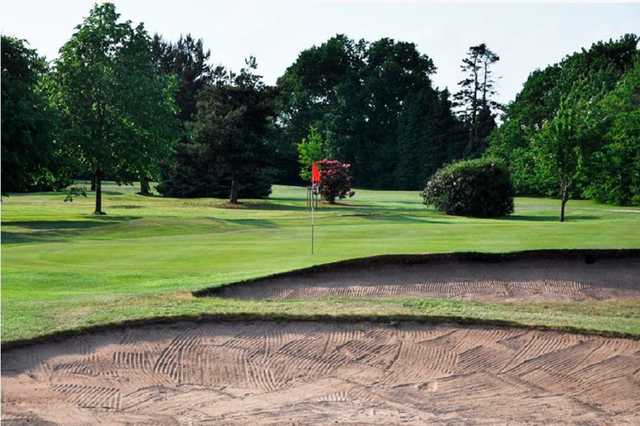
<point>126,206</point>
<point>56,230</point>
<point>265,205</point>
<point>399,218</point>
<point>340,206</point>
<point>554,218</point>
<point>261,223</point>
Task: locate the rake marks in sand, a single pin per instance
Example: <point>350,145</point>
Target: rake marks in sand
<point>265,372</point>
<point>516,279</point>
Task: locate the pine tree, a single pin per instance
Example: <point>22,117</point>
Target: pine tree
<point>475,97</point>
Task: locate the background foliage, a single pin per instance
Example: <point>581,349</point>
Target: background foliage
<point>599,87</point>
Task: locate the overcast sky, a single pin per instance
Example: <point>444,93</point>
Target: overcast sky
<point>525,35</point>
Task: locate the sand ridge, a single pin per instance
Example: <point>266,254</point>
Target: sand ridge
<point>266,372</point>
<point>512,279</point>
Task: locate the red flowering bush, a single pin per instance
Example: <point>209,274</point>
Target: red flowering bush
<point>335,180</point>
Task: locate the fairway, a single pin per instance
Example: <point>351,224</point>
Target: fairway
<point>64,268</point>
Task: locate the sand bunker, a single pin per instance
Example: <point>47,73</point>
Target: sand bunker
<point>543,277</point>
<point>321,373</point>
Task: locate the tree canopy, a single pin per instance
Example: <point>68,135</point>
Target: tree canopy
<point>375,105</point>
<point>188,61</point>
<point>117,109</point>
<point>590,74</point>
<point>29,152</point>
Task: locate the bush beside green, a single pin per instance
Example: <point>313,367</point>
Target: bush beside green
<point>479,188</point>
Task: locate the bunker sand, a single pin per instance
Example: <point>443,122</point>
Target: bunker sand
<point>310,372</point>
<point>518,279</point>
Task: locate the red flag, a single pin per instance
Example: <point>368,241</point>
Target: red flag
<point>315,173</point>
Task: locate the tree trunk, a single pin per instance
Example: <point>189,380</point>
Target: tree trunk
<point>233,196</point>
<point>484,86</point>
<point>474,106</point>
<point>98,180</point>
<point>144,185</point>
<point>565,198</point>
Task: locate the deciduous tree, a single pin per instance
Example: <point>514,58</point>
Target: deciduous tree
<point>565,143</point>
<point>117,109</point>
<point>598,69</point>
<point>29,158</point>
<point>310,149</point>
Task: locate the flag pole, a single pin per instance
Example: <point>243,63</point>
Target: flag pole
<point>315,181</point>
<point>312,219</point>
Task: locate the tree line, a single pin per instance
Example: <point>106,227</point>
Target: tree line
<point>574,129</point>
<point>120,104</point>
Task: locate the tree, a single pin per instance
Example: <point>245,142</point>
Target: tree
<point>232,124</point>
<point>598,68</point>
<point>613,175</point>
<point>564,145</point>
<point>188,61</point>
<point>29,158</point>
<point>192,174</point>
<point>475,96</point>
<point>429,136</point>
<point>319,90</point>
<point>335,180</point>
<point>310,149</point>
<point>116,108</point>
<point>184,174</point>
<point>375,106</point>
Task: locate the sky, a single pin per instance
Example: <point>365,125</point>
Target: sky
<point>525,35</point>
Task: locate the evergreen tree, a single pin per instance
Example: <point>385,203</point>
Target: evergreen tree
<point>475,97</point>
<point>230,134</point>
<point>188,60</point>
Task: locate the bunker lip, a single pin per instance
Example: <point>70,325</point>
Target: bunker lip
<point>526,275</point>
<point>258,372</point>
<point>388,319</point>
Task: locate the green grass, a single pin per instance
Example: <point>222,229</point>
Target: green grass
<point>65,269</point>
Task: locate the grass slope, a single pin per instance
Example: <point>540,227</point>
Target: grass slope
<point>63,268</point>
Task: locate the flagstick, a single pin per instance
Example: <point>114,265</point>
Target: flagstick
<point>315,181</point>
<point>312,220</point>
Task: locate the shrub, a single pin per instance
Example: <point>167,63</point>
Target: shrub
<point>480,188</point>
<point>335,180</point>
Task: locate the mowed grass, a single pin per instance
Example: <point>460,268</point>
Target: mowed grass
<point>65,269</point>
